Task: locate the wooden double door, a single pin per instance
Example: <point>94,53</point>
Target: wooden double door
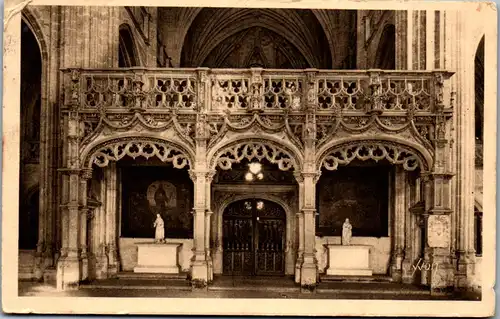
<point>254,233</point>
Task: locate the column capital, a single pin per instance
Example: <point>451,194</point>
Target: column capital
<point>69,171</point>
<point>208,175</point>
<point>308,211</point>
<point>86,173</point>
<point>300,176</point>
<point>441,175</point>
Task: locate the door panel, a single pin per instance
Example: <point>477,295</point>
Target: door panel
<point>253,238</point>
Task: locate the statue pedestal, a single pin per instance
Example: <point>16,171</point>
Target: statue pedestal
<point>351,260</point>
<point>157,258</point>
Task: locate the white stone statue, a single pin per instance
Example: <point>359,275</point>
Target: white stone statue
<point>160,229</point>
<point>346,232</point>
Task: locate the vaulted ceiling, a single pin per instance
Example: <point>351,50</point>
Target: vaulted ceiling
<point>322,38</point>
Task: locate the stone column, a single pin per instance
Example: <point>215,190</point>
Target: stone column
<point>101,227</point>
<point>460,57</point>
<point>413,210</point>
<point>414,39</point>
<point>426,261</point>
<point>85,176</point>
<point>398,224</point>
<point>307,191</point>
<point>110,177</point>
<point>300,228</point>
<point>198,174</point>
<point>309,269</point>
<point>199,269</point>
<point>208,214</point>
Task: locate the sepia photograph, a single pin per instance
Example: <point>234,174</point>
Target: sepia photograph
<point>257,158</point>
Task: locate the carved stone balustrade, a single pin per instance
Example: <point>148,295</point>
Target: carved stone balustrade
<point>234,90</point>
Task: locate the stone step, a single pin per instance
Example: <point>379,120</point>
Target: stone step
<point>365,279</point>
<point>138,284</point>
<point>151,276</point>
<point>386,288</point>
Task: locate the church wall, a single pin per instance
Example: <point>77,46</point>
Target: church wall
<point>367,46</point>
<point>128,252</point>
<point>145,49</point>
<point>380,251</point>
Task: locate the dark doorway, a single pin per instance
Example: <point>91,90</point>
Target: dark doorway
<point>254,238</point>
<point>28,222</point>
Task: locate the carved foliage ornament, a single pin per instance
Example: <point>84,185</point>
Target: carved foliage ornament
<point>254,150</point>
<point>134,149</point>
<point>374,151</point>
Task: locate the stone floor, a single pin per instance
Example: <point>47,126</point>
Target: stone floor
<point>237,287</point>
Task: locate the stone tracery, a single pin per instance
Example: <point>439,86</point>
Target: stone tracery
<point>253,150</point>
<point>376,151</point>
<point>147,148</point>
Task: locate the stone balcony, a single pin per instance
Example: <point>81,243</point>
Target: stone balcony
<point>219,91</point>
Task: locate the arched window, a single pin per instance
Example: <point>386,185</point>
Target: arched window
<point>31,77</point>
<point>386,51</point>
<point>127,52</point>
<point>31,90</point>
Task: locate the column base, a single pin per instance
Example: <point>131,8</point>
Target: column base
<point>442,278</point>
<point>84,271</point>
<point>68,273</point>
<point>308,276</point>
<point>465,271</point>
<point>102,267</point>
<point>199,274</point>
<point>210,270</point>
<point>407,272</point>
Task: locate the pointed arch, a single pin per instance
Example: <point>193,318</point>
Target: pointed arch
<point>255,148</point>
<point>395,150</point>
<point>386,52</point>
<point>127,55</point>
<point>137,146</point>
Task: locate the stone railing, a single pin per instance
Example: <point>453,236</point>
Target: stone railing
<point>241,90</point>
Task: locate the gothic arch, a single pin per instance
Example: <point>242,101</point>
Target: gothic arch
<point>127,54</point>
<point>28,17</point>
<point>290,218</point>
<point>254,148</point>
<point>270,197</point>
<point>395,150</point>
<point>385,57</point>
<point>137,146</point>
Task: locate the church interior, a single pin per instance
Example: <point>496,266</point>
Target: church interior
<point>254,134</point>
